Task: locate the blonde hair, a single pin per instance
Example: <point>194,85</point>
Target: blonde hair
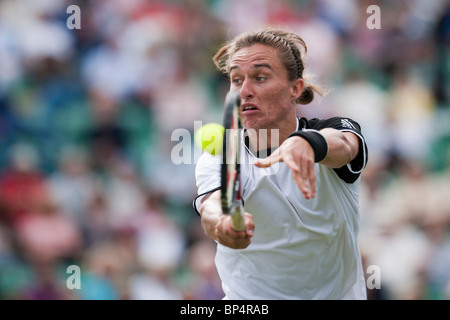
<point>289,46</point>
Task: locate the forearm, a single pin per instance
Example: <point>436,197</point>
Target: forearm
<point>342,147</point>
<point>211,213</point>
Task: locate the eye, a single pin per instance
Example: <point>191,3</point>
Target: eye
<point>260,79</point>
<point>236,81</point>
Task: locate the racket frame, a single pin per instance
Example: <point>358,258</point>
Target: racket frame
<point>231,195</point>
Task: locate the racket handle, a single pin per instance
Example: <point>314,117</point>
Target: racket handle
<point>237,218</point>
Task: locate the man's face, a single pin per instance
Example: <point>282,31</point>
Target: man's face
<point>267,97</point>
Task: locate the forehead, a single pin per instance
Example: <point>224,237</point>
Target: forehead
<point>257,54</point>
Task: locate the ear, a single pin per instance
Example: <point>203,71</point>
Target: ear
<point>297,88</point>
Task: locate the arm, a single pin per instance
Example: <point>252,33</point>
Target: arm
<point>218,225</point>
<point>342,147</point>
<point>299,156</point>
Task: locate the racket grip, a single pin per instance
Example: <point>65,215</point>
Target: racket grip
<point>237,218</point>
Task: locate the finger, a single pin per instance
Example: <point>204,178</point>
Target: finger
<point>290,162</point>
<point>301,173</point>
<point>312,180</point>
<point>249,225</point>
<point>267,162</point>
<point>230,232</point>
<point>224,232</point>
<point>302,183</point>
<point>307,179</point>
<point>310,177</point>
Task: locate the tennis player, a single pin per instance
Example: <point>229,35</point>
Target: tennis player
<point>301,200</point>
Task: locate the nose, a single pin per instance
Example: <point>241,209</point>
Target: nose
<point>247,91</point>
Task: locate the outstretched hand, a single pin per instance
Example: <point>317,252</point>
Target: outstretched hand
<point>298,155</point>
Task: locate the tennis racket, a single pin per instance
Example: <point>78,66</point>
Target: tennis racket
<point>231,180</point>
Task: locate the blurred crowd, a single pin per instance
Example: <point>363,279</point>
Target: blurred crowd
<point>86,138</point>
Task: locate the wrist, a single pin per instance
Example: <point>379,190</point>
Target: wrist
<point>316,140</point>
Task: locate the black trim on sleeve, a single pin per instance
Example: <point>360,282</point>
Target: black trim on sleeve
<point>350,172</point>
<point>201,195</point>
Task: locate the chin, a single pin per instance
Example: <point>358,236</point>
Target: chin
<point>250,124</point>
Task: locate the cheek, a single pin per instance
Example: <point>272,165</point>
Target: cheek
<point>276,97</point>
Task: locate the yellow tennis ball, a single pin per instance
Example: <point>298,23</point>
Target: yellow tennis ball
<point>210,138</point>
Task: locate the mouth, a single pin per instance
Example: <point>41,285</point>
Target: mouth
<point>247,108</point>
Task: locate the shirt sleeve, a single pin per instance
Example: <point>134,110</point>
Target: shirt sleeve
<point>207,177</point>
<point>350,172</point>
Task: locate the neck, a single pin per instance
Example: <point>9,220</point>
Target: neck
<point>270,138</point>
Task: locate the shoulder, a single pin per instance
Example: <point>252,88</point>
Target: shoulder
<point>339,123</point>
<point>207,161</point>
<point>207,170</point>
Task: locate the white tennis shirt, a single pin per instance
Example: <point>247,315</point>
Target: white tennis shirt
<point>301,249</point>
